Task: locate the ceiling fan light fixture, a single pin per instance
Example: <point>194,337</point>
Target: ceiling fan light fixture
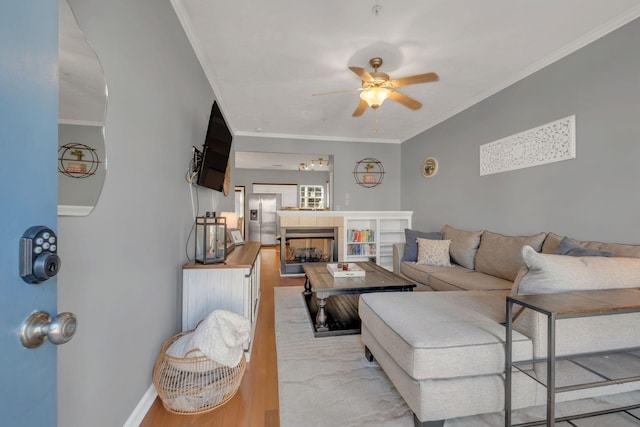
<point>374,96</point>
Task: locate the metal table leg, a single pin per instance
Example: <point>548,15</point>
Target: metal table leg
<point>551,370</point>
<point>508,365</point>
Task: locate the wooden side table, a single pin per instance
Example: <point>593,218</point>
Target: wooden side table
<point>563,306</point>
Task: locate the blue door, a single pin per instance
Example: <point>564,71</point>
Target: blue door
<point>28,196</point>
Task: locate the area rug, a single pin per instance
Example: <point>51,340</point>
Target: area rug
<point>328,382</point>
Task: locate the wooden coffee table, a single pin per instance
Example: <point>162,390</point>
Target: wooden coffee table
<point>322,284</point>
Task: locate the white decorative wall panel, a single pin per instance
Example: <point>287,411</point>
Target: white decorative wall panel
<point>552,142</point>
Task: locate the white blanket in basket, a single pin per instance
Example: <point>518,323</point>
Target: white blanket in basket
<point>221,336</point>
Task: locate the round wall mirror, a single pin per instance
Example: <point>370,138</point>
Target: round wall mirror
<point>429,167</point>
<point>82,109</point>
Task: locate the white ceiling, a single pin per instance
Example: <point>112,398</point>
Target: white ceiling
<point>265,59</point>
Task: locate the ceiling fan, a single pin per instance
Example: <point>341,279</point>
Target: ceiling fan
<point>378,86</point>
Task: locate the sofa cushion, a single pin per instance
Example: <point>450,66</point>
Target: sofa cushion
<point>548,273</point>
<point>433,252</point>
<point>570,247</point>
<point>499,255</point>
<point>464,245</point>
<point>421,273</point>
<point>411,249</point>
<point>617,249</point>
<point>442,334</point>
<point>437,399</point>
<point>466,280</point>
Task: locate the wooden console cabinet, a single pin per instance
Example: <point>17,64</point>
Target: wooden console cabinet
<point>233,286</point>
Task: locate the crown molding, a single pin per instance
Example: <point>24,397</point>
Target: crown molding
<point>317,137</point>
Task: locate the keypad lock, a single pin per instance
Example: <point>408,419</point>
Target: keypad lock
<point>39,259</point>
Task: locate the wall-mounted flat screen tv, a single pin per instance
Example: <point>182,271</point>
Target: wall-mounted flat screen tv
<point>215,151</point>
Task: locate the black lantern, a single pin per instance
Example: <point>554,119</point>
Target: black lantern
<point>211,239</point>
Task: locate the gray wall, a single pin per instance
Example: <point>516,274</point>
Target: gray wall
<point>592,197</point>
<point>121,265</point>
<point>347,195</point>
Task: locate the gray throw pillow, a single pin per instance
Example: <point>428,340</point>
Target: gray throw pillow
<point>464,245</point>
<point>411,248</point>
<point>571,247</point>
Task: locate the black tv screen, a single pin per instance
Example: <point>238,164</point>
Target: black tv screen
<point>215,151</point>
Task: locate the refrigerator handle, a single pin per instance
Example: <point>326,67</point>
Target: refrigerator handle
<point>260,212</point>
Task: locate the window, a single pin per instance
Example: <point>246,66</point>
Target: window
<point>311,197</point>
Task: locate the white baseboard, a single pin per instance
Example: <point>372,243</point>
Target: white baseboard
<point>141,410</point>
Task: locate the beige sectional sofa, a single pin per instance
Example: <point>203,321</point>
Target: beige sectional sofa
<point>445,352</point>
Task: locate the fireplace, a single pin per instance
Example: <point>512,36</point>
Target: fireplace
<point>299,245</point>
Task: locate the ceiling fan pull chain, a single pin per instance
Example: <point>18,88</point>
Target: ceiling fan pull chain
<point>376,9</point>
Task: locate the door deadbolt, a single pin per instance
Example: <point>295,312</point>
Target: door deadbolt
<point>39,326</point>
<point>39,260</point>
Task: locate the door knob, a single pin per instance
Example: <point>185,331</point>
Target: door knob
<point>39,326</point>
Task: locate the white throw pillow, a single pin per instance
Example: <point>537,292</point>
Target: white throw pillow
<point>434,252</point>
<point>547,273</point>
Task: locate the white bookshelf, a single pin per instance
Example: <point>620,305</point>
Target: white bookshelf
<point>369,236</point>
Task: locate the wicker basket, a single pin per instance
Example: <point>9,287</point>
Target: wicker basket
<point>193,385</point>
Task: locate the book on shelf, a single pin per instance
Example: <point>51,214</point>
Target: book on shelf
<point>358,236</point>
<point>362,249</point>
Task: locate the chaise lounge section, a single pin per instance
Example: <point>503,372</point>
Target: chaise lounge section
<point>445,351</point>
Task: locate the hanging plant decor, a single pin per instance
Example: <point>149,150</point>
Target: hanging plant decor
<point>368,172</point>
<point>72,162</point>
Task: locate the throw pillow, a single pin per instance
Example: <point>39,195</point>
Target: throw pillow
<point>499,255</point>
<point>550,273</point>
<point>411,248</point>
<point>434,252</point>
<point>464,245</point>
<point>571,247</point>
<point>553,240</point>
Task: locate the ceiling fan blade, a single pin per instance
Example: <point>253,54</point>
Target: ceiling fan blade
<point>362,73</point>
<point>404,100</point>
<point>336,91</point>
<point>412,80</point>
<point>360,109</point>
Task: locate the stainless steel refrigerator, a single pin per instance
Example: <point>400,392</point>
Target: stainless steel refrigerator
<point>262,218</point>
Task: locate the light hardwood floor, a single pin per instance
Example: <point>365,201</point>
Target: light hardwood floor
<point>256,402</point>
